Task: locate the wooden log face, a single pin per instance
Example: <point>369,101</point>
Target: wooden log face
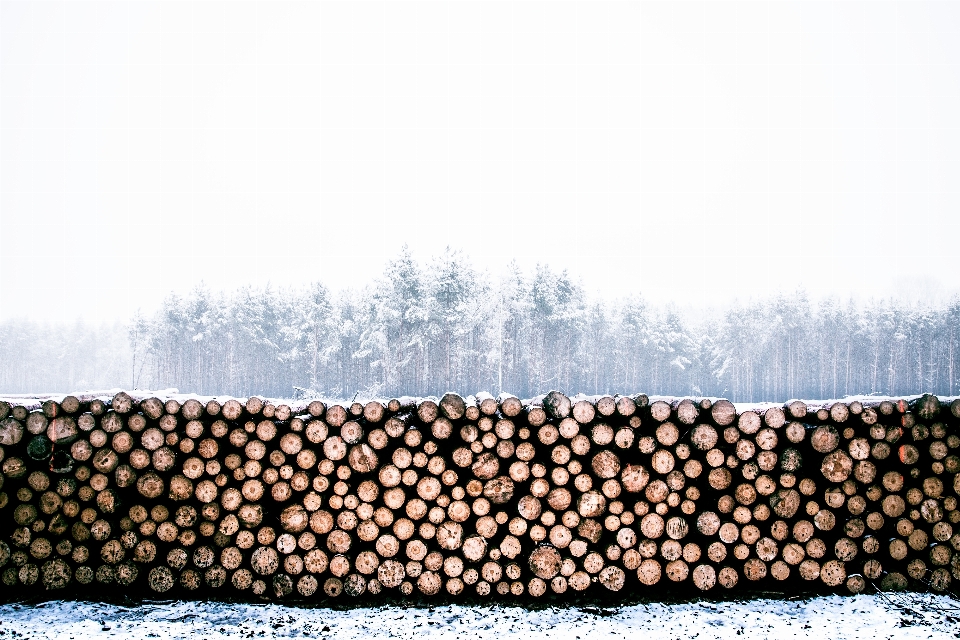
<point>837,466</point>
<point>662,461</point>
<point>724,413</point>
<point>557,405</point>
<point>584,412</point>
<point>825,438</point>
<point>687,412</point>
<point>749,422</point>
<point>660,411</point>
<point>449,535</point>
<point>486,466</point>
<point>606,464</point>
<point>499,490</point>
<point>704,437</point>
<point>545,562</point>
<point>635,478</point>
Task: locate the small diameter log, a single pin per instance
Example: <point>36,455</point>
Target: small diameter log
<point>472,409</point>
<point>487,403</point>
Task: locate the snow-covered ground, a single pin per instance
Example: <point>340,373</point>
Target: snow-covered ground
<point>867,617</point>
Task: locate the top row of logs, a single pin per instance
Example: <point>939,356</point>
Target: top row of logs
<point>553,405</point>
<point>452,406</point>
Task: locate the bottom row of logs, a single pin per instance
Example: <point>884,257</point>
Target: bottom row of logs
<point>368,573</point>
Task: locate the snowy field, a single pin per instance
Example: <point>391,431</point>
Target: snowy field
<point>867,617</point>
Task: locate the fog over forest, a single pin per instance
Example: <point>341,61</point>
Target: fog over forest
<point>704,186</point>
<point>426,327</point>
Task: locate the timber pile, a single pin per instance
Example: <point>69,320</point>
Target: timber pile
<point>476,496</point>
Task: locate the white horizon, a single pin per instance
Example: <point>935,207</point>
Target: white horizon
<point>694,153</point>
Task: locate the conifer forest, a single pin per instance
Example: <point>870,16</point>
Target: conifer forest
<point>431,326</point>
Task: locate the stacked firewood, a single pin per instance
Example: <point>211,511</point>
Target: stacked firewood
<point>479,496</point>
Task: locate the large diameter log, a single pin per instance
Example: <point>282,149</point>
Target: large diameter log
<point>545,562</point>
<point>796,409</point>
<point>150,485</point>
<point>191,409</point>
<point>687,411</point>
<point>122,403</point>
<point>36,422</point>
<point>955,408</point>
<point>583,412</point>
<point>373,412</point>
<point>927,407</point>
<point>487,403</point>
<point>11,432</point>
<point>160,579</point>
<point>626,406</point>
<point>774,417</point>
<point>660,411</point>
<point>749,422</point>
<point>452,406</point>
<point>557,405</point>
<point>837,466</point>
<point>724,413</point>
<point>606,406</point>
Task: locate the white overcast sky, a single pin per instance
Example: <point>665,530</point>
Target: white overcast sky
<point>690,151</point>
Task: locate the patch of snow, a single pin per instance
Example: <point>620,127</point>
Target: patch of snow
<point>868,617</point>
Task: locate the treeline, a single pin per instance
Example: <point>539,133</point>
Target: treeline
<point>426,328</point>
<point>41,357</point>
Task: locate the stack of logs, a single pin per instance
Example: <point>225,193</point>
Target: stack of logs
<point>477,496</point>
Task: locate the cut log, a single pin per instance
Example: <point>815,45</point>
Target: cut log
<point>452,406</point>
<point>427,411</point>
<point>660,411</point>
<point>626,406</point>
<point>509,404</point>
<point>723,413</point>
<point>687,411</point>
<point>487,403</point>
<point>557,405</point>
